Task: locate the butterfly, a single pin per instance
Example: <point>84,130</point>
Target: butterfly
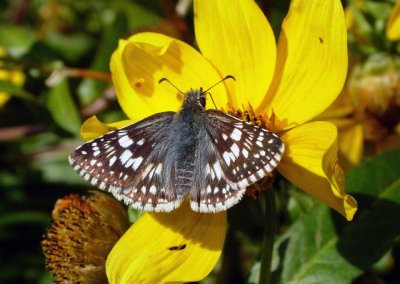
<point>205,155</point>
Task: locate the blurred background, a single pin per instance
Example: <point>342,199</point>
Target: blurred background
<point>54,74</point>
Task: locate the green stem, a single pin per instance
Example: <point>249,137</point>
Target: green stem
<point>268,237</point>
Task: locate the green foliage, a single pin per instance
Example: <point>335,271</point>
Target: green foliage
<point>322,248</point>
<point>39,125</point>
<point>62,108</point>
<point>16,40</point>
<point>368,34</point>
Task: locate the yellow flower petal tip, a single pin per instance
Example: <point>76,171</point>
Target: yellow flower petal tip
<point>93,128</point>
<point>176,247</point>
<point>393,24</point>
<point>310,162</point>
<point>350,207</point>
<point>313,36</point>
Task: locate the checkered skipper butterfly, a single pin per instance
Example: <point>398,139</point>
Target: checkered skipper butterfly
<point>205,155</point>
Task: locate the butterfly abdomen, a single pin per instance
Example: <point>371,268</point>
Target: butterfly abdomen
<point>185,144</point>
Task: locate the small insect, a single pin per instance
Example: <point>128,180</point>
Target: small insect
<point>205,155</point>
<point>181,247</point>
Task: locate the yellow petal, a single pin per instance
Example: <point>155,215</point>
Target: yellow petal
<point>237,38</point>
<point>181,246</point>
<point>312,61</point>
<point>93,128</point>
<point>141,61</point>
<point>351,141</point>
<point>15,77</point>
<point>310,162</point>
<point>393,24</point>
<point>340,108</point>
<point>4,97</point>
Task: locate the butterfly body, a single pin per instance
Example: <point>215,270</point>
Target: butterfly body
<point>156,163</point>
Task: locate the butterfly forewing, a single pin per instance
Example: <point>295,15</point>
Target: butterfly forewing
<point>237,154</point>
<point>129,163</point>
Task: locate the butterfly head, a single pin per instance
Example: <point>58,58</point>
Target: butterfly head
<point>195,97</point>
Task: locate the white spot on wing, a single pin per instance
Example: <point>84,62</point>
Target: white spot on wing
<point>158,169</point>
<point>227,158</point>
<point>112,160</point>
<point>218,170</point>
<point>125,141</point>
<point>136,163</point>
<point>153,190</point>
<point>126,155</point>
<point>245,153</point>
<point>236,134</point>
<point>235,149</point>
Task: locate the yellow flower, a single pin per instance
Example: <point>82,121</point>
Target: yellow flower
<point>16,77</point>
<point>350,129</point>
<point>365,110</point>
<point>287,84</point>
<point>393,24</point>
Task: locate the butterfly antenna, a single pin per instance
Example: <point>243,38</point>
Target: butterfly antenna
<point>166,80</point>
<point>225,78</point>
<point>207,91</point>
<point>212,100</point>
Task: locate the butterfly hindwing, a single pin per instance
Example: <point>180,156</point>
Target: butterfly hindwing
<point>211,191</point>
<point>234,155</point>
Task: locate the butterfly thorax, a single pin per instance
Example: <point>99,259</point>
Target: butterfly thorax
<point>189,121</point>
<point>191,115</point>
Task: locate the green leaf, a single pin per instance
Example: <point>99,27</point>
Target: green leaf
<point>323,248</point>
<point>114,27</point>
<point>13,90</point>
<point>376,186</point>
<point>16,40</point>
<point>139,16</point>
<point>311,255</point>
<point>71,46</point>
<point>54,167</point>
<point>62,107</point>
<point>24,217</point>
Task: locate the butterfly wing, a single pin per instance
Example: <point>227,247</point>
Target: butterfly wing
<point>232,155</point>
<point>130,163</point>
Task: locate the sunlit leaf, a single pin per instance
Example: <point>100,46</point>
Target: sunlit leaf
<point>16,40</point>
<point>62,107</point>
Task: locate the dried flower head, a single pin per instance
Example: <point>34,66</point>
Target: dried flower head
<point>84,231</point>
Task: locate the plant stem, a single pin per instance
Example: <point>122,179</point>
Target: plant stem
<point>268,237</point>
